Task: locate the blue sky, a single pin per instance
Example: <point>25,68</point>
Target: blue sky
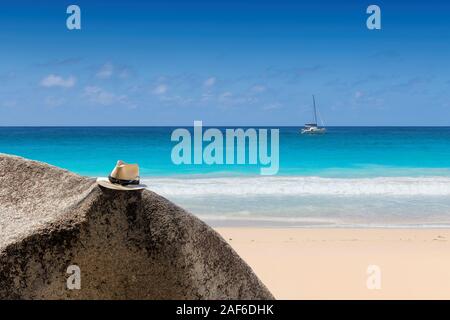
<point>224,62</point>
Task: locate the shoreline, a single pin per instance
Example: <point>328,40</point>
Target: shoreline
<point>332,263</point>
<point>230,223</point>
<point>311,202</point>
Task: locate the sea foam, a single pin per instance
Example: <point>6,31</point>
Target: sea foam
<point>301,186</point>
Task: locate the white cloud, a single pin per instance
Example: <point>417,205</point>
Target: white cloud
<point>109,70</point>
<point>225,95</point>
<point>358,94</point>
<point>8,103</point>
<point>54,101</point>
<point>124,73</point>
<point>106,71</point>
<point>176,100</point>
<point>57,81</point>
<point>207,97</point>
<point>160,89</point>
<point>210,82</point>
<point>228,99</point>
<point>97,95</point>
<point>258,89</point>
<point>272,106</point>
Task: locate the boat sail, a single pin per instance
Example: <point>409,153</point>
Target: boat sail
<point>313,128</point>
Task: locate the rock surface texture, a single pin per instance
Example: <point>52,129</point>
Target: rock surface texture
<point>128,245</point>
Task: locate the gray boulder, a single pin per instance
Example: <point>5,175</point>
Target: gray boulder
<point>128,245</point>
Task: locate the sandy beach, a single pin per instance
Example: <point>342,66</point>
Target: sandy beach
<point>300,263</point>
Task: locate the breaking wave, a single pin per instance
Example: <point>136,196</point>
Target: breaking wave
<point>301,186</point>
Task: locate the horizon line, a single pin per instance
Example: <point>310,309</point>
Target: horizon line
<point>221,126</point>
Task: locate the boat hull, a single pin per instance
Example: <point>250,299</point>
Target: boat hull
<point>313,131</point>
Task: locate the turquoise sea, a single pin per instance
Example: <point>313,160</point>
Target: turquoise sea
<point>351,176</point>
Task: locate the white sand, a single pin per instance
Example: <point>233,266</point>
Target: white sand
<point>332,263</point>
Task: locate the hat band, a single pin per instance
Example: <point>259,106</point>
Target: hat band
<point>122,182</point>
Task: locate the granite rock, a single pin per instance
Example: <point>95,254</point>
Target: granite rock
<point>128,245</point>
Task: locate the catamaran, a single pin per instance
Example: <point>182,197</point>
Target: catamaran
<point>312,128</point>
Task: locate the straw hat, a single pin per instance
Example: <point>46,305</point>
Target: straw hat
<point>123,177</point>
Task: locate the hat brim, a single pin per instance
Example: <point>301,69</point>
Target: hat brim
<point>104,182</point>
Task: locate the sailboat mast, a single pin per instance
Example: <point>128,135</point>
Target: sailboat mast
<point>315,112</point>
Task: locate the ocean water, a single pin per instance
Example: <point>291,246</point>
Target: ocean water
<point>351,176</point>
